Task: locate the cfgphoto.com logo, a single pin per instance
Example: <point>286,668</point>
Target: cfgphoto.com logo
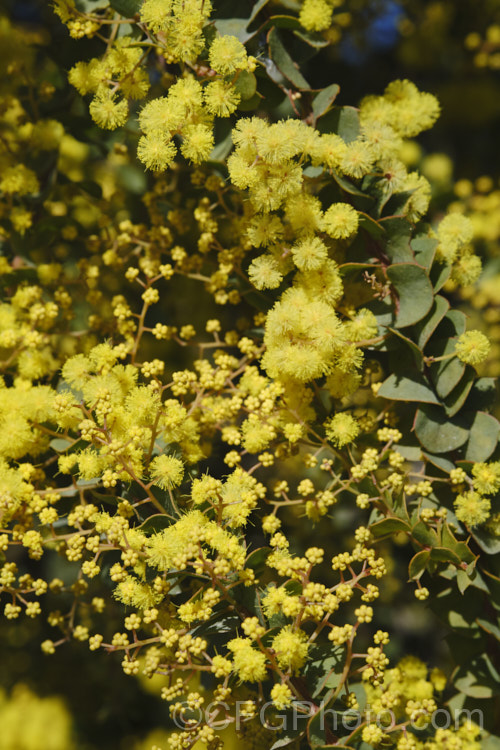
<point>220,715</point>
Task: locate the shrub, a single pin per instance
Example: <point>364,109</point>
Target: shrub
<point>238,389</point>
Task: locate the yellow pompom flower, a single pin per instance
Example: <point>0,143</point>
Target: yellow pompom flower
<point>156,153</point>
<point>486,477</point>
<point>186,92</point>
<point>309,254</point>
<point>21,219</point>
<point>363,326</point>
<point>221,98</point>
<point>472,347</point>
<point>316,15</point>
<point>227,55</point>
<point>18,180</point>
<point>467,269</point>
<point>301,336</point>
<point>156,14</point>
<point>86,77</point>
<point>291,648</point>
<point>166,471</point>
<point>281,696</point>
<point>438,679</point>
<point>161,116</point>
<point>249,664</point>
<point>198,143</point>
<point>340,221</point>
<point>418,202</point>
<point>412,111</point>
<point>264,272</point>
<point>453,232</point>
<point>342,429</point>
<point>357,159</point>
<point>372,734</point>
<point>264,230</point>
<point>107,112</point>
<point>472,509</point>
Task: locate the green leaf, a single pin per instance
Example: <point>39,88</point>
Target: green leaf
<point>468,684</point>
<point>399,362</point>
<point>440,462</point>
<point>459,622</point>
<point>418,564</point>
<point>256,559</point>
<point>443,554</point>
<point>89,6</point>
<point>127,8</point>
<point>424,249</point>
<point>410,452</point>
<point>389,526</point>
<point>394,205</point>
<point>345,122</point>
<point>279,55</point>
<point>477,580</point>
<point>324,100</point>
<point>448,539</point>
<point>246,85</point>
<point>464,552</point>
<point>446,374</point>
<point>488,543</point>
<point>246,105</point>
<point>457,398</point>
<point>439,275</point>
<point>313,40</point>
<point>256,9</point>
<point>164,498</point>
<point>426,327</point>
<point>489,628</point>
<point>316,730</point>
<point>463,581</point>
<point>414,292</point>
<point>247,597</point>
<point>290,735</point>
<point>437,432</point>
<point>154,524</point>
<point>424,534</point>
<point>398,240</point>
<point>454,323</point>
<point>319,670</point>
<point>234,27</point>
<point>283,21</point>
<point>219,624</point>
<point>407,387</point>
<point>294,720</point>
<point>348,186</point>
<point>347,268</point>
<point>61,444</point>
<point>398,505</point>
<point>371,226</point>
<point>319,733</point>
<point>483,437</point>
<point>84,483</point>
<point>383,310</point>
<point>223,142</point>
<point>483,394</point>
